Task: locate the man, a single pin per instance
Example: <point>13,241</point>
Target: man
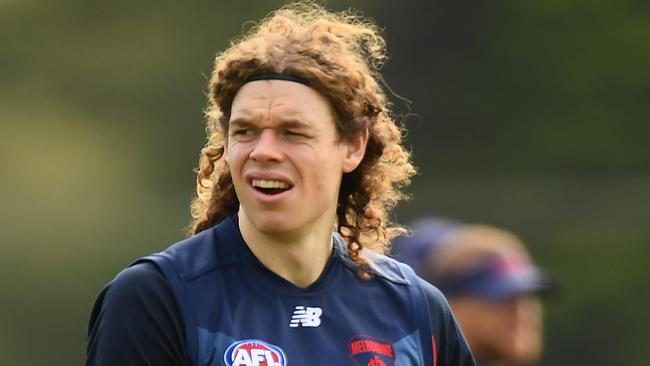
<point>302,164</point>
<point>490,281</point>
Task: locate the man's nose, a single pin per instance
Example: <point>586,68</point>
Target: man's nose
<point>267,148</point>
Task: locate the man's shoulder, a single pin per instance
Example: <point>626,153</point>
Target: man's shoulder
<point>135,280</point>
<point>200,253</point>
<point>396,271</point>
<point>389,269</point>
<point>434,296</point>
<point>383,267</point>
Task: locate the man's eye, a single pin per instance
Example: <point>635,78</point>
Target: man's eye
<point>294,133</point>
<point>243,132</point>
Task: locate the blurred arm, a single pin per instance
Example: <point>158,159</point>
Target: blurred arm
<point>136,321</point>
<point>451,347</point>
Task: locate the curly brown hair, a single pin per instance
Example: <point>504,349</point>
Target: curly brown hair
<point>339,55</point>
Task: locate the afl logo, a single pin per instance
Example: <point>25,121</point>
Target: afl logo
<point>253,352</point>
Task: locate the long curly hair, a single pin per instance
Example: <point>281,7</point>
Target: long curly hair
<point>339,55</point>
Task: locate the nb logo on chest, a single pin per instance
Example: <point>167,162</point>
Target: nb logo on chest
<point>306,316</point>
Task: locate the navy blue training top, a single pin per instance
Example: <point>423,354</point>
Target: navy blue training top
<point>208,300</point>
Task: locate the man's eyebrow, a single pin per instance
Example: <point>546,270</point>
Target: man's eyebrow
<point>240,122</point>
<point>243,121</point>
<point>294,123</point>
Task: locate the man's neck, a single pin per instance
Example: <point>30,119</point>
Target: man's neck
<point>299,258</point>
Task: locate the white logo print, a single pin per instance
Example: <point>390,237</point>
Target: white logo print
<point>306,317</point>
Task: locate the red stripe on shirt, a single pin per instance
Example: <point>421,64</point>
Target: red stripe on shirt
<point>435,352</point>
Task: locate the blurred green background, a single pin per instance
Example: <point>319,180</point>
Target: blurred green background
<point>532,116</point>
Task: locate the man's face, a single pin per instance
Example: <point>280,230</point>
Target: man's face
<point>285,157</point>
<point>509,332</point>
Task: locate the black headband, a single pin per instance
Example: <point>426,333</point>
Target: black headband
<point>277,76</point>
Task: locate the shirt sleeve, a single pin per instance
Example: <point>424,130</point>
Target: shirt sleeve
<point>450,346</point>
<point>136,321</point>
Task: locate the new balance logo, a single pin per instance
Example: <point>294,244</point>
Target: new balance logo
<point>306,317</point>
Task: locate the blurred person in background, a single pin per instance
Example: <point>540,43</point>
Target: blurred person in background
<point>491,284</point>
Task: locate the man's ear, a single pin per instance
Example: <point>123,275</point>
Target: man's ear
<point>225,150</point>
<point>355,150</point>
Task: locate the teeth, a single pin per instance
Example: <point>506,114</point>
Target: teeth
<point>263,183</point>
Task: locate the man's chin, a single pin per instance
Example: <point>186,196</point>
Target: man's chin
<point>273,225</point>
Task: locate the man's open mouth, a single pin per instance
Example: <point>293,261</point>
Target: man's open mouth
<point>270,187</point>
